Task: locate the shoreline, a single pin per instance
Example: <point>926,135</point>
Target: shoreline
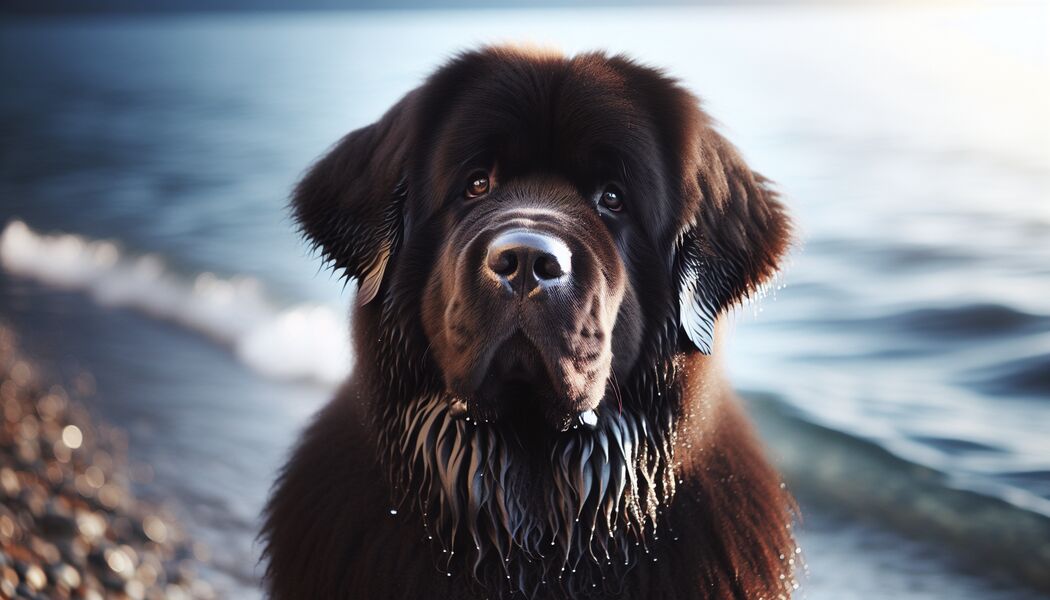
<point>71,525</point>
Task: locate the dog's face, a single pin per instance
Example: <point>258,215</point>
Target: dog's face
<point>552,203</point>
<point>547,220</point>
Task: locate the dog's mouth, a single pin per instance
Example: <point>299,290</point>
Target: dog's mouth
<point>517,388</point>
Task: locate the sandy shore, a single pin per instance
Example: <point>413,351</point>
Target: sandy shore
<point>70,523</point>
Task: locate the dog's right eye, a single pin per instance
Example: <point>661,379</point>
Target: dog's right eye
<point>477,185</point>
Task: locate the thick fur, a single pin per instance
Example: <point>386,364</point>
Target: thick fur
<point>393,494</point>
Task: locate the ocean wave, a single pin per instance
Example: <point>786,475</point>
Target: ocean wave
<point>966,320</point>
<point>972,319</point>
<point>306,341</point>
<point>1003,526</point>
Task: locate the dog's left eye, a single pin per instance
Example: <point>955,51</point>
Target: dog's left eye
<point>477,185</point>
<point>612,199</point>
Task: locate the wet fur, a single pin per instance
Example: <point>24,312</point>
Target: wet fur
<point>387,497</point>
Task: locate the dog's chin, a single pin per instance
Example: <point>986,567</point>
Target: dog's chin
<point>530,406</point>
<point>516,391</point>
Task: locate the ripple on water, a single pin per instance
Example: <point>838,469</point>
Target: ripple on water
<point>1028,376</point>
<point>970,320</point>
<point>955,446</point>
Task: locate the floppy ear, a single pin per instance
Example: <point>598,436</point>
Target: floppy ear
<point>740,232</point>
<point>350,202</point>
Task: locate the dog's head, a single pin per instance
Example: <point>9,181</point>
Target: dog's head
<point>538,241</point>
<point>548,222</point>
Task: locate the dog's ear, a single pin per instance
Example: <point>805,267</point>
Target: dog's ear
<point>736,239</point>
<point>350,202</point>
<point>736,230</point>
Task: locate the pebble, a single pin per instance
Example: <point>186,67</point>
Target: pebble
<point>66,575</point>
<point>70,526</point>
<point>34,577</point>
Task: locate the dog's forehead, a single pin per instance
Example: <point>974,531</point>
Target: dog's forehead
<point>546,110</point>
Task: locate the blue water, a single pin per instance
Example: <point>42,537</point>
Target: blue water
<point>899,371</point>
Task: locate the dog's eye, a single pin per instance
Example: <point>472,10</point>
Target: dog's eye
<point>477,185</point>
<point>612,199</point>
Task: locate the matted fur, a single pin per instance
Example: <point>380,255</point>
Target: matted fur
<point>597,511</point>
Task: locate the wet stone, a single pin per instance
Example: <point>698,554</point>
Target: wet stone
<point>9,580</point>
<point>65,575</point>
<point>91,525</point>
<point>35,577</point>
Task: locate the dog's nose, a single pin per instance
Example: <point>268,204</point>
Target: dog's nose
<point>524,260</point>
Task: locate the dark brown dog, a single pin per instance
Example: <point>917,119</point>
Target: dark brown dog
<point>542,246</point>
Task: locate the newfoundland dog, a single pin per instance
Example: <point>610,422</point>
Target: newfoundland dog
<point>542,246</point>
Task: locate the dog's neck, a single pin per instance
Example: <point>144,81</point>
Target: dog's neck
<point>580,509</point>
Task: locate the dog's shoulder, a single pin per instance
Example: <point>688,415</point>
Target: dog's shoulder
<point>322,504</point>
<point>330,529</point>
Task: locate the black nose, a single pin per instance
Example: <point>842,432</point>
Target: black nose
<point>524,260</point>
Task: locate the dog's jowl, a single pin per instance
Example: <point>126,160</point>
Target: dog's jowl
<point>543,246</point>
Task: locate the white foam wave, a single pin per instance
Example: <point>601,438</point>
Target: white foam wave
<point>306,341</point>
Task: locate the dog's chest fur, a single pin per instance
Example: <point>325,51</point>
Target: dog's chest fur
<point>343,525</point>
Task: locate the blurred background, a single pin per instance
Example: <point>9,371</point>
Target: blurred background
<point>899,371</point>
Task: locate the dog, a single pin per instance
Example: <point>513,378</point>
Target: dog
<point>543,246</point>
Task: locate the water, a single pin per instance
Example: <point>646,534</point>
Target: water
<point>900,376</point>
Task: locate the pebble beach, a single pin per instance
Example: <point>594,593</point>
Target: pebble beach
<point>71,525</point>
